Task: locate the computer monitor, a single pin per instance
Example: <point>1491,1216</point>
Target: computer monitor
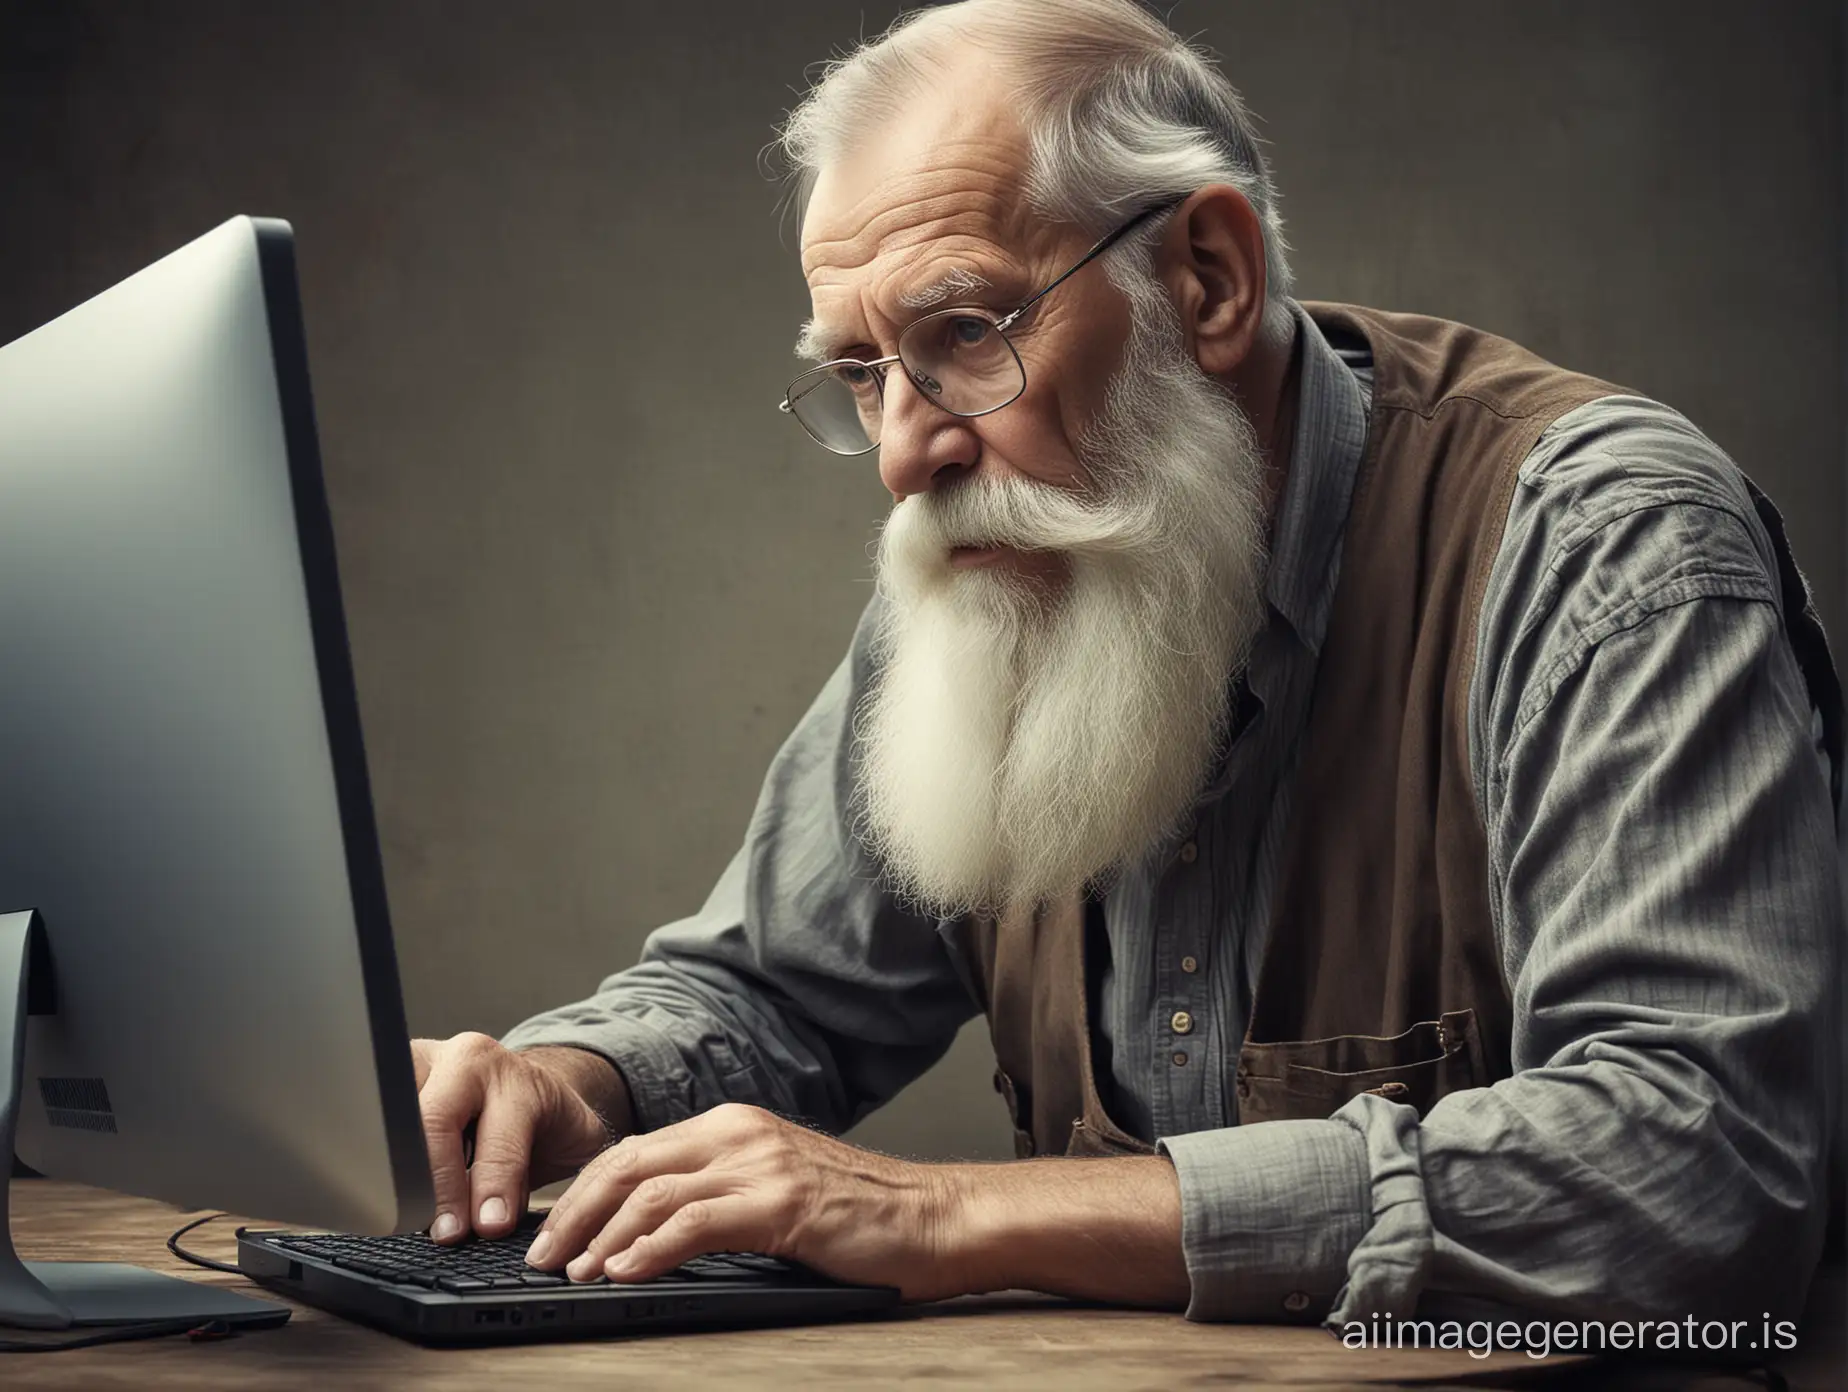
<point>189,866</point>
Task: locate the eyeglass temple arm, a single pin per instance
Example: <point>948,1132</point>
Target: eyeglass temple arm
<point>1103,244</point>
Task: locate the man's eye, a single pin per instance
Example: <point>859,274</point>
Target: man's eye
<point>966,330</point>
<point>859,379</point>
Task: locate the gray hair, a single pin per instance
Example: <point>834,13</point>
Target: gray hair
<point>1120,112</point>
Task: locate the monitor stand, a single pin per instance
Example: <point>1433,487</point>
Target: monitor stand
<point>59,1295</point>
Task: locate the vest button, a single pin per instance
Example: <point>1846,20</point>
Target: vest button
<point>1180,1059</point>
<point>1181,1023</point>
<point>1189,965</point>
<point>1296,1302</point>
<point>1189,853</point>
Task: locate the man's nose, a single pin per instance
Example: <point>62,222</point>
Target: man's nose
<point>921,445</point>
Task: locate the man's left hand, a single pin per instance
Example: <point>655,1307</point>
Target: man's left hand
<point>741,1179</point>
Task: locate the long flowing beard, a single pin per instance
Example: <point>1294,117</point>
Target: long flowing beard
<point>1019,744</point>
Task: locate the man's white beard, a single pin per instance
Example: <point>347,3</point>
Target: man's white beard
<point>1020,744</point>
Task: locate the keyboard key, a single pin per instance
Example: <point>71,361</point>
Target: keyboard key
<point>543,1278</point>
<point>457,1285</point>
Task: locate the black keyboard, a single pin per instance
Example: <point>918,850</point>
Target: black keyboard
<point>499,1263</point>
<point>482,1290</point>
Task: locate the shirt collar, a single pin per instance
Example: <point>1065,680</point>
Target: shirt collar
<point>1331,433</point>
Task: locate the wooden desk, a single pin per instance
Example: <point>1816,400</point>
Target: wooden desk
<point>990,1341</point>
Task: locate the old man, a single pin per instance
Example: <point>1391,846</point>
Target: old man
<point>1378,785</point>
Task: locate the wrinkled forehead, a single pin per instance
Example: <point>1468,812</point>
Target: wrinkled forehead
<point>886,216</point>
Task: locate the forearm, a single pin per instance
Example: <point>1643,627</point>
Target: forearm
<point>1106,1230</point>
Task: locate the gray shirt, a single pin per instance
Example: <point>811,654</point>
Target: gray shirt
<point>1664,886</point>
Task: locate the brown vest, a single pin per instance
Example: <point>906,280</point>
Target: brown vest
<point>1381,972</point>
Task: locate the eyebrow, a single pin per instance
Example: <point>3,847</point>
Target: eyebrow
<point>816,344</point>
<point>961,281</point>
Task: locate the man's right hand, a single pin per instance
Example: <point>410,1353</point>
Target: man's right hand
<point>539,1115</point>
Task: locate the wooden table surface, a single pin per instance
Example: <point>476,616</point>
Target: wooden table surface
<point>989,1341</point>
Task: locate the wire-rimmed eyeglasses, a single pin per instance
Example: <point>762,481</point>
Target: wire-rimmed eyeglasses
<point>960,359</point>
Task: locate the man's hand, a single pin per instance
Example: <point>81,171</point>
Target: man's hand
<point>538,1115</point>
<point>740,1179</point>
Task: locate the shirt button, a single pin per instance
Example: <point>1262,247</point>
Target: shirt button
<point>1189,853</point>
<point>1189,965</point>
<point>1180,1059</point>
<point>1181,1023</point>
<point>1296,1302</point>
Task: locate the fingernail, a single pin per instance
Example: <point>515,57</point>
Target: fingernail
<point>583,1268</point>
<point>541,1245</point>
<point>494,1211</point>
<point>620,1264</point>
<point>446,1226</point>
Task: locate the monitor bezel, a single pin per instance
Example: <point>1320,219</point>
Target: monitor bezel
<point>314,527</point>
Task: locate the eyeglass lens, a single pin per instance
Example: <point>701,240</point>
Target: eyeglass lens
<point>957,359</point>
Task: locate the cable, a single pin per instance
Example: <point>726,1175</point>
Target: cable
<point>173,1246</point>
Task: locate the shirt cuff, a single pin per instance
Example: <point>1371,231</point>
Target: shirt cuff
<point>1270,1213</point>
<point>660,1084</point>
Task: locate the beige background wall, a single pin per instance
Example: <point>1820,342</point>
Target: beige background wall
<point>593,577</point>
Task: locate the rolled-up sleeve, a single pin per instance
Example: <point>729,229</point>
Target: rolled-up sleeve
<point>1269,1216</point>
<point>800,985</point>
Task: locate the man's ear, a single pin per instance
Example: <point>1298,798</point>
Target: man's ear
<point>1213,262</point>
